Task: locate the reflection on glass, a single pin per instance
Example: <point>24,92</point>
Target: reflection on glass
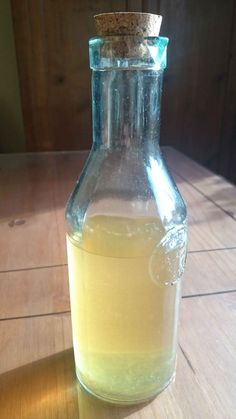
<point>92,408</point>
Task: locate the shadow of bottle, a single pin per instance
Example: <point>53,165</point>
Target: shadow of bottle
<point>49,389</point>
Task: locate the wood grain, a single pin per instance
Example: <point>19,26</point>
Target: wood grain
<point>152,6</point>
<point>196,77</point>
<point>52,51</point>
<point>227,154</point>
<point>209,227</point>
<point>34,191</point>
<point>28,340</point>
<point>210,272</point>
<point>214,187</point>
<point>44,386</point>
<point>134,5</point>
<point>34,292</point>
<point>208,338</point>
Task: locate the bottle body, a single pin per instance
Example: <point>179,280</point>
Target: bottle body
<point>126,245</point>
<point>124,323</point>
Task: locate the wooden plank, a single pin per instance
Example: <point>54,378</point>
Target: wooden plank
<point>227,155</point>
<point>30,231</point>
<point>41,390</point>
<point>30,339</point>
<point>151,6</point>
<point>211,185</point>
<point>12,136</point>
<point>23,42</point>
<point>30,49</point>
<point>52,51</point>
<point>209,272</point>
<point>34,292</point>
<point>196,77</point>
<point>34,191</point>
<point>208,339</point>
<point>45,384</point>
<point>209,226</point>
<point>134,5</point>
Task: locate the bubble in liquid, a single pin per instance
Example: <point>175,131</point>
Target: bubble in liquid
<point>167,262</point>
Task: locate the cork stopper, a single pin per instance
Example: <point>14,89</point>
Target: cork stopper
<point>128,23</point>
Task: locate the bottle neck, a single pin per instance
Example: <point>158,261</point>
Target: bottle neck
<point>126,107</point>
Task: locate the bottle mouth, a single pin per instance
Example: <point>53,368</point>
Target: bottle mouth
<point>128,52</point>
<point>112,38</point>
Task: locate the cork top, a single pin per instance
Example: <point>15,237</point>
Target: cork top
<point>128,23</point>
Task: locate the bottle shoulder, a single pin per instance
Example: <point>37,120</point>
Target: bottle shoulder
<point>125,183</point>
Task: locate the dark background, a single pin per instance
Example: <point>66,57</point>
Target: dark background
<point>199,92</point>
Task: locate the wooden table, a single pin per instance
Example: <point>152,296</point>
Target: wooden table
<point>37,378</point>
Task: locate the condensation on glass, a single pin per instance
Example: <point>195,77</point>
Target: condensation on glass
<point>127,232</point>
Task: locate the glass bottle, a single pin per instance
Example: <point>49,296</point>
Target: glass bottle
<point>127,231</point>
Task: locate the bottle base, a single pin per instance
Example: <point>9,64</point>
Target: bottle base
<point>124,401</point>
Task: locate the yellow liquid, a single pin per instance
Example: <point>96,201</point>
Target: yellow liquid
<point>124,303</point>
